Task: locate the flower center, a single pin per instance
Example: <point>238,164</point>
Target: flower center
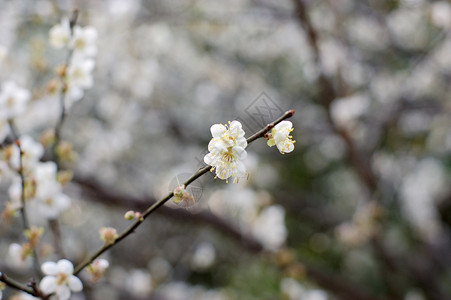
<point>61,278</point>
<point>228,156</point>
<point>49,201</point>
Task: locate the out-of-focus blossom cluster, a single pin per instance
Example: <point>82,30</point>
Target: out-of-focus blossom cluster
<point>77,74</point>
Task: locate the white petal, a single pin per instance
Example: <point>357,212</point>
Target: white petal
<point>217,130</point>
<point>241,142</point>
<point>65,266</point>
<point>75,284</point>
<point>63,292</point>
<point>223,172</point>
<point>280,136</point>
<point>49,268</point>
<point>241,170</point>
<point>48,284</point>
<point>91,33</point>
<point>209,159</point>
<point>284,125</point>
<point>240,152</point>
<point>62,202</point>
<point>235,125</point>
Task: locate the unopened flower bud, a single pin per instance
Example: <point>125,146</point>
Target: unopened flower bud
<point>26,251</point>
<point>48,138</point>
<point>9,212</point>
<point>65,152</point>
<point>61,70</point>
<point>182,197</point>
<point>97,268</point>
<point>34,234</point>
<point>131,215</point>
<point>65,176</point>
<point>108,235</point>
<point>8,152</point>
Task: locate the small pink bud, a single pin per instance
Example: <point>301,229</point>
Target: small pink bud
<point>108,235</point>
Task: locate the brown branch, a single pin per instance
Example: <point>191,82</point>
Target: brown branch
<point>109,196</point>
<point>31,288</point>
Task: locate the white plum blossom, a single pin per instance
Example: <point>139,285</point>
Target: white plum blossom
<point>17,257</point>
<point>269,227</point>
<point>98,268</point>
<point>84,40</point>
<point>227,150</point>
<point>13,100</point>
<point>80,72</point>
<point>50,207</point>
<point>32,152</point>
<point>139,282</point>
<point>280,136</point>
<point>50,199</point>
<point>204,256</point>
<point>59,279</point>
<point>60,34</point>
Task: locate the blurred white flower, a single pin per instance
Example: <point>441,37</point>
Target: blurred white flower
<point>419,192</point>
<point>280,136</point>
<point>441,14</point>
<point>204,256</point>
<point>19,257</point>
<point>98,268</point>
<point>296,291</point>
<point>32,152</point>
<point>350,235</point>
<point>139,283</point>
<point>60,34</point>
<point>50,207</point>
<point>346,111</point>
<point>13,100</point>
<point>159,268</point>
<point>227,150</point>
<point>269,227</point>
<point>79,73</point>
<point>84,40</point>
<point>60,279</point>
<point>22,296</point>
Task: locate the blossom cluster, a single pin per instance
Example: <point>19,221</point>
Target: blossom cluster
<point>81,41</point>
<point>227,147</point>
<point>32,181</point>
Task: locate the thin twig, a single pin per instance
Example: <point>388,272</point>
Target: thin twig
<point>14,284</point>
<point>62,95</point>
<point>57,241</point>
<point>131,229</point>
<point>22,209</point>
